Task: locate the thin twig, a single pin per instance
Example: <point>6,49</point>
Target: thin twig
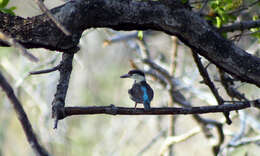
<point>203,7</point>
<point>243,8</point>
<point>176,139</point>
<point>48,13</point>
<point>11,41</point>
<point>229,86</point>
<point>253,123</point>
<point>159,69</point>
<point>145,52</point>
<point>125,37</point>
<point>241,133</point>
<point>196,2</point>
<point>45,71</point>
<point>27,127</point>
<point>120,37</point>
<point>245,141</point>
<point>239,36</point>
<point>152,142</point>
<point>240,26</point>
<point>173,66</point>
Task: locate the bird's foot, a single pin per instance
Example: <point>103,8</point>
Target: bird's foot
<point>135,105</point>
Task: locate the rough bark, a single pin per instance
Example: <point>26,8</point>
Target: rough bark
<point>172,18</point>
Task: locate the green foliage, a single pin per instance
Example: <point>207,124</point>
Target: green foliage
<point>3,5</point>
<point>220,9</point>
<point>184,1</point>
<point>140,35</point>
<point>256,31</point>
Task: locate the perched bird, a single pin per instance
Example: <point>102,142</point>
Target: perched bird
<point>140,92</point>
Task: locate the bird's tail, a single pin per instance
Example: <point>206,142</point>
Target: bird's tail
<point>147,106</point>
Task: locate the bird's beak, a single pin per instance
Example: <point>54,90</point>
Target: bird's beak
<point>125,76</point>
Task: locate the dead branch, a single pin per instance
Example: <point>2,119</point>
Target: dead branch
<point>27,127</point>
<point>12,42</point>
<point>46,11</point>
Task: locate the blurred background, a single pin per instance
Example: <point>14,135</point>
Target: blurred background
<point>104,56</point>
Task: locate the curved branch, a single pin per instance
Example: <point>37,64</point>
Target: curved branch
<point>27,127</point>
<point>174,19</point>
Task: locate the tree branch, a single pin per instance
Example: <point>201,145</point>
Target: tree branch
<point>244,8</point>
<point>206,79</point>
<point>27,127</point>
<point>229,86</point>
<point>45,70</point>
<point>175,19</point>
<point>203,6</point>
<point>48,13</point>
<point>58,102</point>
<point>177,139</point>
<point>14,43</point>
<point>113,110</point>
<point>244,25</point>
<point>245,141</point>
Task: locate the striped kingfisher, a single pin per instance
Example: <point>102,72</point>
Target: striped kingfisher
<point>141,92</point>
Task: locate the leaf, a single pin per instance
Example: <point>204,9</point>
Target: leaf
<point>3,3</point>
<point>8,11</point>
<point>12,8</point>
<point>255,17</point>
<point>140,35</point>
<point>219,22</point>
<point>184,1</point>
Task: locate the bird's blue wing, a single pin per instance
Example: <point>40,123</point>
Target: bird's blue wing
<point>146,100</point>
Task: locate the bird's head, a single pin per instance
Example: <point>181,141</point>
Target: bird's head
<point>137,75</point>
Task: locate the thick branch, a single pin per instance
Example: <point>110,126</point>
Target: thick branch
<point>58,102</point>
<point>27,127</point>
<point>174,19</point>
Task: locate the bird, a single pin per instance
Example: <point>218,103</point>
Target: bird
<point>141,92</point>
